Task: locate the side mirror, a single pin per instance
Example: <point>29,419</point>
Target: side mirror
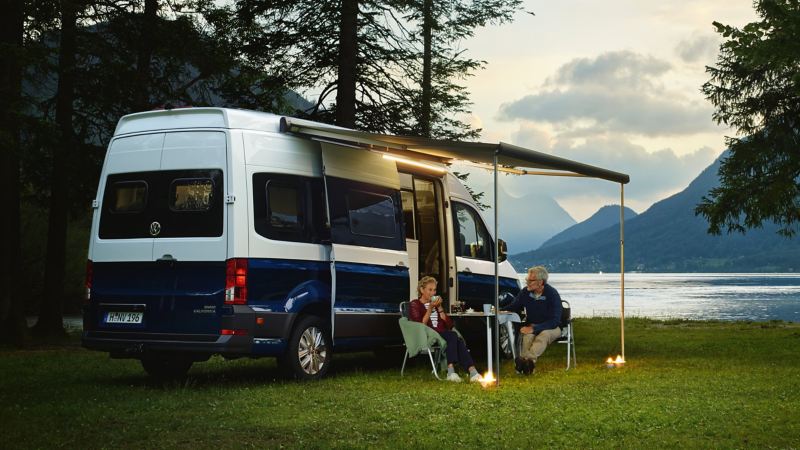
<point>502,250</point>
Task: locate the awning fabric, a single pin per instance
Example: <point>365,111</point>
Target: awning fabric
<point>447,151</point>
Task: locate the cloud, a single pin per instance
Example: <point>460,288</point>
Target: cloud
<point>612,68</point>
<point>698,47</point>
<point>617,92</point>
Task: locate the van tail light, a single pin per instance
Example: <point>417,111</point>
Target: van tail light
<point>89,275</point>
<point>236,281</point>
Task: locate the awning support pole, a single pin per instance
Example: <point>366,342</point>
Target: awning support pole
<point>622,266</point>
<point>496,275</point>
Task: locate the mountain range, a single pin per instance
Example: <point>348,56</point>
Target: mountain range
<point>669,237</point>
<point>521,233</point>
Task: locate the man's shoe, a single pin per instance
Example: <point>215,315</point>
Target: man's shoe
<point>519,364</point>
<point>477,378</point>
<point>530,366</point>
<point>453,377</point>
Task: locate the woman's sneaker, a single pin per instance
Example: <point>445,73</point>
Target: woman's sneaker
<point>453,377</point>
<point>477,378</point>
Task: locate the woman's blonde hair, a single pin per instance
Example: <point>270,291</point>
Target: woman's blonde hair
<point>424,281</point>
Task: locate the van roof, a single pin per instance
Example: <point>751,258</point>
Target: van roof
<point>181,118</point>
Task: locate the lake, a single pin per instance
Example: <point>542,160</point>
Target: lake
<point>721,296</point>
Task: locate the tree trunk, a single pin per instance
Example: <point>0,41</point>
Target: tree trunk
<point>148,29</point>
<point>13,328</point>
<point>348,50</point>
<point>50,323</point>
<point>427,88</point>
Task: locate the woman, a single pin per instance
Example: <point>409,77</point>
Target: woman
<point>428,310</point>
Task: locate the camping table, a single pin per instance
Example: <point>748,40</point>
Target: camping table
<point>505,318</point>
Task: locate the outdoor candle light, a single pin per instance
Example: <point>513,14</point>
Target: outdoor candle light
<point>488,380</point>
<point>612,363</point>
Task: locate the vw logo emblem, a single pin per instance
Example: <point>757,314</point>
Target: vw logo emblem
<point>155,229</point>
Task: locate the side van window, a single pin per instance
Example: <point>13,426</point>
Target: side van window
<point>472,239</point>
<point>289,207</point>
<point>365,214</point>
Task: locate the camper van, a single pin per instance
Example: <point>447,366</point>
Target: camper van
<point>246,234</point>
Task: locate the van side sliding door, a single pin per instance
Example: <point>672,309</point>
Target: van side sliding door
<point>369,261</point>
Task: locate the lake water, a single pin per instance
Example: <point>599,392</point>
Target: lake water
<point>726,296</point>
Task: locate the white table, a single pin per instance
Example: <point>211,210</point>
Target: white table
<point>506,318</point>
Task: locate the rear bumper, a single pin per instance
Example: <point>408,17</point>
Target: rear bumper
<point>126,344</point>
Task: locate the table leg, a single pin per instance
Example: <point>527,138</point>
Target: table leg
<point>489,344</point>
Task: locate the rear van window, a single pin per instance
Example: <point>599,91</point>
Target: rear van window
<point>129,197</point>
<point>191,194</point>
<point>184,203</point>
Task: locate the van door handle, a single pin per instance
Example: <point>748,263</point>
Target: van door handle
<point>467,270</point>
<point>167,257</point>
<point>400,264</point>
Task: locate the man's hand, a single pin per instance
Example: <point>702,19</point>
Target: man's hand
<point>527,329</point>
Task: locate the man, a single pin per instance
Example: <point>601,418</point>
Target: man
<point>542,306</point>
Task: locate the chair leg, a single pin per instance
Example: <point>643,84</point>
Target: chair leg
<point>433,364</point>
<point>405,358</point>
<point>571,349</point>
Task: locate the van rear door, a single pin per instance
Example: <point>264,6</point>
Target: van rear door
<point>163,257</point>
<point>368,252</point>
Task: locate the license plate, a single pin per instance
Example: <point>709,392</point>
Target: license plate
<point>124,317</point>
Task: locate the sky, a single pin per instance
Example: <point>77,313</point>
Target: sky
<point>614,84</point>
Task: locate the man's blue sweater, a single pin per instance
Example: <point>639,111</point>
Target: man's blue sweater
<point>544,312</point>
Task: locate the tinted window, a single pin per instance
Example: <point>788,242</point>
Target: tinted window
<point>364,214</point>
<point>472,240</point>
<point>191,194</point>
<point>283,206</point>
<point>185,203</point>
<point>128,197</point>
<point>371,214</point>
<point>289,208</point>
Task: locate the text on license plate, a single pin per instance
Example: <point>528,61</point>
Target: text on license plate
<point>124,317</point>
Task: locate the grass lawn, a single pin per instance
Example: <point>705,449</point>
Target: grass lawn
<point>686,384</point>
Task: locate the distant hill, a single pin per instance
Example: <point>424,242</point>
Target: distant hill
<point>519,226</point>
<point>604,217</point>
<point>668,237</point>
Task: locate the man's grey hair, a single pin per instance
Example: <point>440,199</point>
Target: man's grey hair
<point>538,272</point>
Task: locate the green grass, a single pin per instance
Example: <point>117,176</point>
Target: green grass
<point>686,384</point>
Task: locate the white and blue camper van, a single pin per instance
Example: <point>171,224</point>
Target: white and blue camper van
<point>220,231</point>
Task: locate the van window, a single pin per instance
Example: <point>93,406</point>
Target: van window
<point>191,194</point>
<point>284,206</point>
<point>365,214</point>
<point>289,208</point>
<point>129,197</point>
<point>371,214</point>
<point>185,203</point>
<point>472,239</point>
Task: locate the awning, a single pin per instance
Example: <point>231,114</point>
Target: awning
<point>512,158</point>
<point>496,157</point>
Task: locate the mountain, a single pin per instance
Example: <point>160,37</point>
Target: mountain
<point>604,217</point>
<point>668,237</point>
<point>526,222</point>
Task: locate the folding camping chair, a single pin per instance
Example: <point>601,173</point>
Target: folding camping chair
<point>419,338</point>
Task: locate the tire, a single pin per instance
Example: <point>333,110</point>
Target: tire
<point>166,367</point>
<point>505,343</point>
<point>308,354</point>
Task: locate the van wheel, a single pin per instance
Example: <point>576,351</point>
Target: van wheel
<point>309,352</point>
<point>505,343</point>
<point>166,368</point>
